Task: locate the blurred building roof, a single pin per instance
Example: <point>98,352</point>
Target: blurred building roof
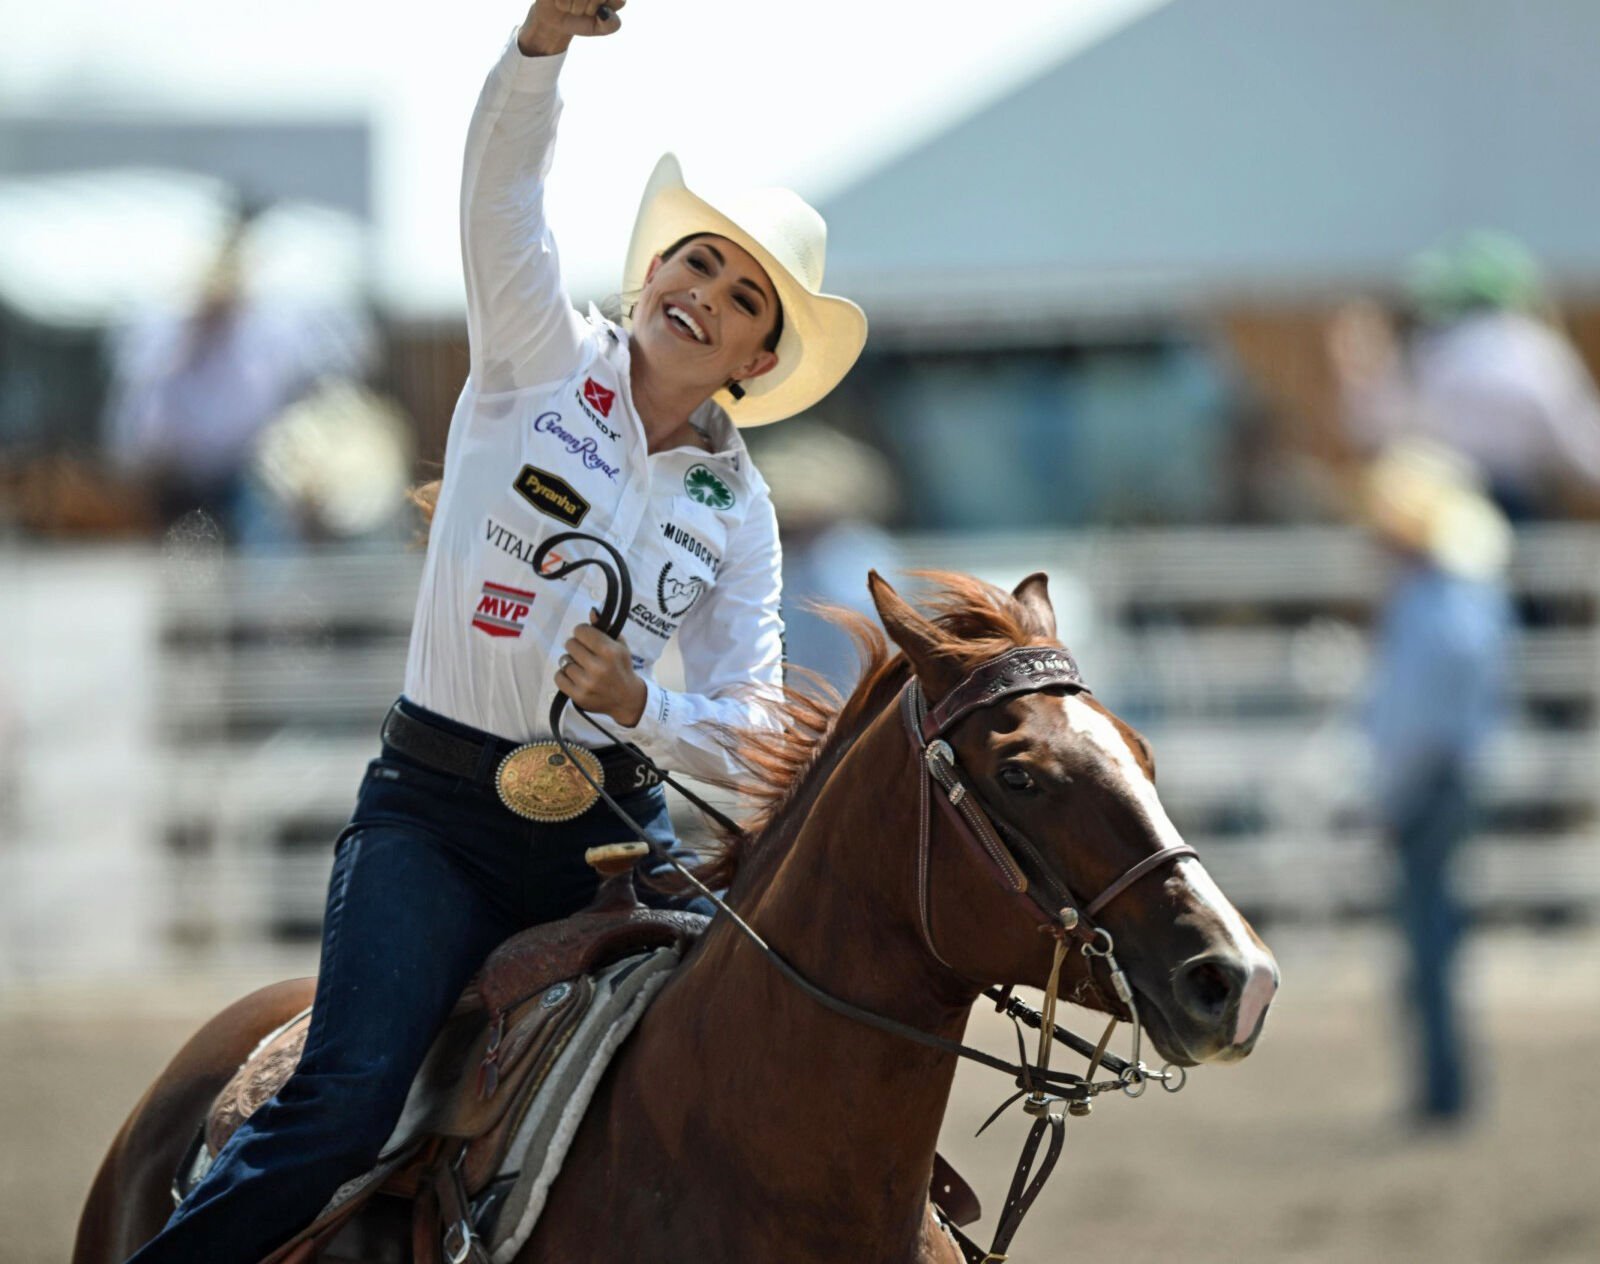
<point>102,214</point>
<point>84,248</point>
<point>1227,146</point>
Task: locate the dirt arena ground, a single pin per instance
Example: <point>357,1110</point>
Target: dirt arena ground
<point>1299,1154</point>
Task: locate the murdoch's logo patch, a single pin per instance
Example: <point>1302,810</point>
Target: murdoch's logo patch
<point>551,495</point>
<point>677,596</point>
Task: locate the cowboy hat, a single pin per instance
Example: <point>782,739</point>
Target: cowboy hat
<point>822,334</point>
<point>1424,499</point>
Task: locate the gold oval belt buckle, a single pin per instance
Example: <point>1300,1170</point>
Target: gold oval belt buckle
<point>539,783</point>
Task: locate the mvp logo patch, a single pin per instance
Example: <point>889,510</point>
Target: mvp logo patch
<point>502,611</point>
<point>551,496</point>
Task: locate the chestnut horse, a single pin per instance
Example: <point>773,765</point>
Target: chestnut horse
<point>743,1120</point>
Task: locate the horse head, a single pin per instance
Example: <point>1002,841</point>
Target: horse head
<point>1074,786</point>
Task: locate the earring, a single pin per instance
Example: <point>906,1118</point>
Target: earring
<point>735,390</point>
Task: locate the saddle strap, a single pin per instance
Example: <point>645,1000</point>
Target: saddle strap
<point>443,1232</point>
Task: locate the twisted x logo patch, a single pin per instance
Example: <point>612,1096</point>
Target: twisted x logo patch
<point>502,610</point>
<point>598,397</point>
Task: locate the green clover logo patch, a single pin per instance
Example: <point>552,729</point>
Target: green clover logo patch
<point>705,487</point>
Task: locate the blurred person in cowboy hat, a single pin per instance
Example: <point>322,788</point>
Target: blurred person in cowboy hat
<point>1442,645</point>
<point>626,430</point>
<point>832,494</point>
<point>1482,370</point>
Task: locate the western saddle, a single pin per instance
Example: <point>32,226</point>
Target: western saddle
<point>475,1086</point>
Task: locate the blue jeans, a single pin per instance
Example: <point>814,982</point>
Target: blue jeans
<point>1435,820</point>
<point>430,875</point>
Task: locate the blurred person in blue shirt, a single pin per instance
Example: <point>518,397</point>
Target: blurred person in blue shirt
<point>1443,637</point>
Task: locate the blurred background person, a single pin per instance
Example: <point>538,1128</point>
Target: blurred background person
<point>1442,632</point>
<point>1482,371</point>
<point>832,494</point>
<point>193,390</point>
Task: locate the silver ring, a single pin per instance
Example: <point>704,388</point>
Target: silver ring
<point>564,662</point>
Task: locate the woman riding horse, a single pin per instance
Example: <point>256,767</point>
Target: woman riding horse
<point>464,831</point>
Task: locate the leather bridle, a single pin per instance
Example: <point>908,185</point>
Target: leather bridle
<point>1008,854</point>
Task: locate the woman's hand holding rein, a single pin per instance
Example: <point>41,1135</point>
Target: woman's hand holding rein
<point>552,24</point>
<point>597,673</point>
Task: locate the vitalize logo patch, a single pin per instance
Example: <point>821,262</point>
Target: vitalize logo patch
<point>551,495</point>
<point>502,610</point>
<point>598,398</point>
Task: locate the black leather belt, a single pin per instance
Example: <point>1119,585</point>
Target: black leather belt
<point>480,760</point>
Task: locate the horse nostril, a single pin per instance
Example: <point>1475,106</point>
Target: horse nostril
<point>1207,989</point>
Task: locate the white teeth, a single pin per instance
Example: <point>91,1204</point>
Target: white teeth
<point>677,313</point>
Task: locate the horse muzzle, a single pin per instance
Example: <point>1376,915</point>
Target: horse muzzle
<point>1212,1009</point>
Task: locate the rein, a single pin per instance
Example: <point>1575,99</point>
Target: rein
<point>1011,857</point>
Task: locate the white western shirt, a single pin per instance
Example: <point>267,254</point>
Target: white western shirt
<point>545,439</point>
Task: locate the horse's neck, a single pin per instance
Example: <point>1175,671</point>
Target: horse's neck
<point>865,1106</point>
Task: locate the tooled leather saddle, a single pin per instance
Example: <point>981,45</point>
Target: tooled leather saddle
<point>474,1088</point>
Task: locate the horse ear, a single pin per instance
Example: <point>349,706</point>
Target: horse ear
<point>1034,594</point>
<point>917,636</point>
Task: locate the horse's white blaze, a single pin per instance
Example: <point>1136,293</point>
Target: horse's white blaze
<point>1261,976</point>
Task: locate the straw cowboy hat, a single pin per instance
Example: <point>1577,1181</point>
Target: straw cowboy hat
<point>822,334</point>
<point>1424,499</point>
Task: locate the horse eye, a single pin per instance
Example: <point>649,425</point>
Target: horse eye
<point>1015,778</point>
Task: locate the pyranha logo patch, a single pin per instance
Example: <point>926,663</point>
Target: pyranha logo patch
<point>704,486</point>
<point>677,596</point>
<point>598,398</point>
<point>502,610</point>
<point>551,495</point>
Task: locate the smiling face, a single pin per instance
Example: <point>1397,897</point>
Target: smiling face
<point>707,314</point>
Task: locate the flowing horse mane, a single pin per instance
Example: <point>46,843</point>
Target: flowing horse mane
<point>786,767</point>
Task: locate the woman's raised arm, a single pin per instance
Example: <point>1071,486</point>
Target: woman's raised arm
<point>521,326</point>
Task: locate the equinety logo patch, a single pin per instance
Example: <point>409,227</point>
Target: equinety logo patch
<point>677,596</point>
<point>703,485</point>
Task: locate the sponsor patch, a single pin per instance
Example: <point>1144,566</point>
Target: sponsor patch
<point>676,594</point>
<point>651,622</point>
<point>513,545</point>
<point>703,485</point>
<point>551,495</point>
<point>502,610</point>
<point>598,397</point>
<point>692,544</point>
<point>586,449</point>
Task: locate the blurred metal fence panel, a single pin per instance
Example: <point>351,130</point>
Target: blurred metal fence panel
<point>1241,653</point>
<point>176,785</point>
